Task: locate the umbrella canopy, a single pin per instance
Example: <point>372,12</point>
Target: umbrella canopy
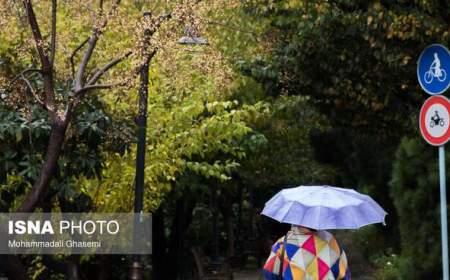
<point>324,207</point>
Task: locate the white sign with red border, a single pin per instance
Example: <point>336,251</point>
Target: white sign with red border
<point>435,120</point>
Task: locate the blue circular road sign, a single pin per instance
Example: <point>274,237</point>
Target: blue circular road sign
<point>433,69</point>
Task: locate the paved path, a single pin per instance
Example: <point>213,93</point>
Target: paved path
<point>254,274</point>
<point>248,274</point>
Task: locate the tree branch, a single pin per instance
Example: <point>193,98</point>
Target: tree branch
<point>87,56</point>
<point>46,66</point>
<point>100,4</point>
<point>25,72</point>
<point>73,55</point>
<point>53,43</point>
<point>33,92</point>
<point>105,68</point>
<point>78,94</point>
<point>83,91</point>
<point>92,42</point>
<point>21,76</point>
<point>157,23</point>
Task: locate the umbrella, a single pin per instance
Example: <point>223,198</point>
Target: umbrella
<point>324,207</point>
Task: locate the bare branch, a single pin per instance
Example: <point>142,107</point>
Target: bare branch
<point>92,42</point>
<point>73,55</point>
<point>160,21</point>
<point>80,93</point>
<point>71,105</point>
<point>105,68</point>
<point>26,71</point>
<point>53,42</point>
<point>21,76</point>
<point>33,92</point>
<point>87,56</point>
<point>46,66</point>
<point>30,87</point>
<point>84,90</point>
<point>100,4</point>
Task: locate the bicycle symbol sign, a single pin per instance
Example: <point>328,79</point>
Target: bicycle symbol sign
<point>433,69</point>
<point>435,120</point>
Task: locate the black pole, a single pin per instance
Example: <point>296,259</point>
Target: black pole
<point>141,121</point>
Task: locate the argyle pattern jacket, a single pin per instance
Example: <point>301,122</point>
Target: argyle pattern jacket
<point>309,255</point>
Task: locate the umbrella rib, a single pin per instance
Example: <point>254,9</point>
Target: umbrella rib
<point>285,214</point>
<point>320,208</point>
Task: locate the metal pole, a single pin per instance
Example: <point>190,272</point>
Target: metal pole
<point>443,212</point>
<point>141,120</point>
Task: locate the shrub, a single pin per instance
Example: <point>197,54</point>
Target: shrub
<point>415,192</point>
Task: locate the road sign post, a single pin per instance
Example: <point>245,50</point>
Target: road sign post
<point>444,235</point>
<point>434,123</point>
<point>433,70</point>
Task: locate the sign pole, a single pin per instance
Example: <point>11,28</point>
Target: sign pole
<point>433,74</point>
<point>443,212</point>
<point>434,124</point>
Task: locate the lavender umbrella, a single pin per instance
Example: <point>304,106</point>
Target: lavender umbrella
<point>324,207</point>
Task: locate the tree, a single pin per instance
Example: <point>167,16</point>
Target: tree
<point>67,78</point>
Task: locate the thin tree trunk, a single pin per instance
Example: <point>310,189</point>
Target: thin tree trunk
<point>105,268</point>
<point>73,268</point>
<point>181,221</point>
<point>159,245</point>
<point>13,268</point>
<point>40,187</point>
<point>176,238</point>
<point>240,245</point>
<point>215,223</point>
<point>226,213</point>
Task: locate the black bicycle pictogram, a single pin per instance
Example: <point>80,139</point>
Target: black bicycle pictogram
<point>436,120</point>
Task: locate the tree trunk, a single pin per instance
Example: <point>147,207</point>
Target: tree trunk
<point>159,245</point>
<point>240,240</point>
<point>181,221</point>
<point>105,268</point>
<point>15,270</point>
<point>40,187</point>
<point>176,239</point>
<point>226,213</point>
<point>215,223</point>
<point>73,268</point>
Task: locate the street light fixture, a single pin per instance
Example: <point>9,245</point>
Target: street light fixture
<point>185,40</point>
<point>191,37</point>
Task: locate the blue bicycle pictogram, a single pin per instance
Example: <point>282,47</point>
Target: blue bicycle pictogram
<point>435,71</point>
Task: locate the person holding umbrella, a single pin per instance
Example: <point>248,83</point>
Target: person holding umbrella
<point>307,251</point>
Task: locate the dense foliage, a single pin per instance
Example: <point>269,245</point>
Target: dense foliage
<point>415,191</point>
<point>285,93</point>
<point>354,61</point>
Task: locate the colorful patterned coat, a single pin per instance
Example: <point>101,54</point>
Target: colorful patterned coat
<point>308,256</point>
